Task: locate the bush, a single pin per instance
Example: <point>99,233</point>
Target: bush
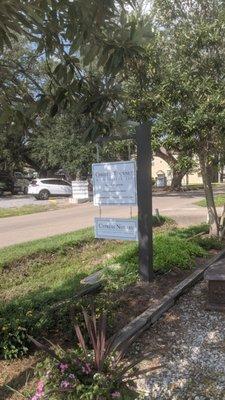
<point>209,243</point>
<point>13,340</point>
<point>95,373</point>
<point>172,251</point>
<point>186,233</point>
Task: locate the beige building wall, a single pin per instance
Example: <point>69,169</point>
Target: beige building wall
<point>160,166</point>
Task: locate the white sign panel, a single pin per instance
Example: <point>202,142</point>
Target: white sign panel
<point>114,183</point>
<point>120,229</point>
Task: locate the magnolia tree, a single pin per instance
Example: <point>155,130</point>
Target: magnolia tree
<point>191,92</point>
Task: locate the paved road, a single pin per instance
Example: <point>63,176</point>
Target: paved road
<point>29,227</point>
<point>22,200</point>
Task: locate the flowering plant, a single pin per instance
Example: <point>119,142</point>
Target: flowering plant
<point>99,373</point>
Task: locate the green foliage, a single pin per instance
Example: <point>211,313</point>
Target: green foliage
<point>191,231</point>
<point>39,279</point>
<point>13,339</point>
<point>62,145</point>
<point>92,43</point>
<point>209,243</point>
<point>172,251</point>
<point>84,372</point>
<point>55,244</point>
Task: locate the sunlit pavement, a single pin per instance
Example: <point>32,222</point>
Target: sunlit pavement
<point>14,230</point>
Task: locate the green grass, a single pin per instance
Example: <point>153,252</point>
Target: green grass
<point>25,210</point>
<point>219,201</point>
<point>36,275</point>
<point>199,186</point>
<point>15,253</point>
<point>57,243</point>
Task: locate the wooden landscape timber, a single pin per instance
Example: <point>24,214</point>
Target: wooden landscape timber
<point>130,332</point>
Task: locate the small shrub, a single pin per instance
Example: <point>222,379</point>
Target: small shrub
<point>169,251</point>
<point>83,373</point>
<point>172,251</point>
<point>186,233</point>
<point>209,243</point>
<point>13,341</point>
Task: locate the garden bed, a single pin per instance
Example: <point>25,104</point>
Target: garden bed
<point>127,303</point>
<point>36,283</point>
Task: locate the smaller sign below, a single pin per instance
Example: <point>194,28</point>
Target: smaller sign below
<point>119,229</point>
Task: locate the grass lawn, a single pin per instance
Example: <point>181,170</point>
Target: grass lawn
<point>219,201</point>
<point>37,275</point>
<point>29,250</point>
<point>25,210</point>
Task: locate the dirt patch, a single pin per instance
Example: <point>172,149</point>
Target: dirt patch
<point>135,299</point>
<point>17,374</point>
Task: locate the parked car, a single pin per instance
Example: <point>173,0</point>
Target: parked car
<point>43,188</point>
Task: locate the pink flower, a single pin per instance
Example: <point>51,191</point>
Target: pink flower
<point>39,392</point>
<point>86,368</point>
<point>63,367</point>
<point>65,384</point>
<point>40,387</point>
<point>116,395</point>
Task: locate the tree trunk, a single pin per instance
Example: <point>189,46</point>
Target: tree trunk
<point>177,174</point>
<point>207,182</point>
<point>176,182</point>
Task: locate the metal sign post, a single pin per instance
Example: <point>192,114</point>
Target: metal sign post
<point>144,191</point>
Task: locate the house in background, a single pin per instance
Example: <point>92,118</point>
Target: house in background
<point>161,168</point>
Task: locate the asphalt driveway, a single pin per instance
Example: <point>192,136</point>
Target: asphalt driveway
<point>179,206</point>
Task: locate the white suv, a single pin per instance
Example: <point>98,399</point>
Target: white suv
<point>43,188</point>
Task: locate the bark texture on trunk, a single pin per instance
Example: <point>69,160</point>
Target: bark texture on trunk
<point>207,182</point>
<point>176,182</point>
<point>177,173</point>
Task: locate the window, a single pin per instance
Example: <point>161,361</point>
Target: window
<point>65,183</point>
<point>51,182</point>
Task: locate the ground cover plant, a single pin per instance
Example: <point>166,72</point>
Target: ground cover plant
<point>90,370</point>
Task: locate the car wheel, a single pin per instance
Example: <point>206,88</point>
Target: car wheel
<point>25,190</point>
<point>44,194</point>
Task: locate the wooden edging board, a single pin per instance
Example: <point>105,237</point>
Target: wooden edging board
<point>131,331</point>
<point>93,288</point>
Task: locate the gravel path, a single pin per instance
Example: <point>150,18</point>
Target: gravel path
<point>189,343</point>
